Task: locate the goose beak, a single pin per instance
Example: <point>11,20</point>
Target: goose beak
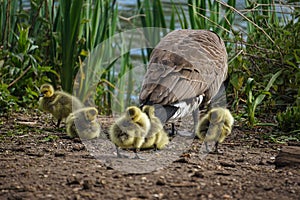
<point>41,95</point>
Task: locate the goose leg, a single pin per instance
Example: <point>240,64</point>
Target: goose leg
<point>195,118</point>
<point>173,131</point>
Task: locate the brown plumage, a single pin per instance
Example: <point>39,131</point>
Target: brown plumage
<point>186,69</point>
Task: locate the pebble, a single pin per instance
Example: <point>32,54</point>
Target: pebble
<point>198,174</point>
<point>160,182</point>
<point>227,164</point>
<point>159,195</point>
<point>87,184</point>
<point>59,154</point>
<point>239,160</point>
<point>227,196</point>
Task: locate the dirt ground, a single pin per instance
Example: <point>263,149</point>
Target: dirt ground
<point>38,161</point>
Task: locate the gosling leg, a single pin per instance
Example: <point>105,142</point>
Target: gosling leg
<point>136,154</point>
<point>119,155</point>
<point>206,147</point>
<point>216,147</point>
<point>155,147</point>
<point>58,123</point>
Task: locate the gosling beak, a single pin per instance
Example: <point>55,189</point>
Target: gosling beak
<point>41,95</point>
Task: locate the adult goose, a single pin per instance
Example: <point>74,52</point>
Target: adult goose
<point>186,70</point>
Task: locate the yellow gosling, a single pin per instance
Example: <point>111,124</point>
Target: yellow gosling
<point>129,130</point>
<point>60,104</point>
<point>215,126</point>
<point>157,137</point>
<point>83,123</point>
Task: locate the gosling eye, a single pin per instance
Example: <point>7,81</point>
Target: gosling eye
<point>42,94</point>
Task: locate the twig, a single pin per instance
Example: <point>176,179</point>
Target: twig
<point>128,19</point>
<point>242,15</point>
<point>24,72</point>
<point>232,59</point>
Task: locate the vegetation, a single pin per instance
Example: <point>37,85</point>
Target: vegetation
<point>78,45</point>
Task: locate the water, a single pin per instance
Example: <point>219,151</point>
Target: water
<point>128,8</point>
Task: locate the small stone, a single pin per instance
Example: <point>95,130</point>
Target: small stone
<point>261,162</point>
<point>222,173</point>
<point>77,140</point>
<point>78,147</point>
<point>227,196</point>
<point>73,181</point>
<point>227,164</point>
<point>198,174</point>
<point>268,188</point>
<point>59,154</point>
<point>160,182</point>
<point>35,154</point>
<point>181,160</point>
<point>87,184</point>
<point>158,196</point>
<point>239,160</point>
<point>293,191</point>
<point>290,173</point>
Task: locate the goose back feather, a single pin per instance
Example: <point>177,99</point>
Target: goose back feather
<point>186,68</point>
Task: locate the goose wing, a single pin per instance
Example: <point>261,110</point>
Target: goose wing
<point>184,65</point>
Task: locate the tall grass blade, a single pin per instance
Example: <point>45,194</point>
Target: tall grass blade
<point>70,24</point>
<point>8,22</point>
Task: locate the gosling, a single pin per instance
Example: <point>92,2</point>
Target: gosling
<point>156,138</point>
<point>130,130</point>
<point>58,103</point>
<point>215,126</point>
<point>83,123</point>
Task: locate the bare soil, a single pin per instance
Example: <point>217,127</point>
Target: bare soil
<point>38,161</point>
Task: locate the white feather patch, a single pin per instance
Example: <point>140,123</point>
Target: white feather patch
<point>185,107</point>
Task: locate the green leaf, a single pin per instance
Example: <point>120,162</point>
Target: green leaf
<point>272,80</point>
